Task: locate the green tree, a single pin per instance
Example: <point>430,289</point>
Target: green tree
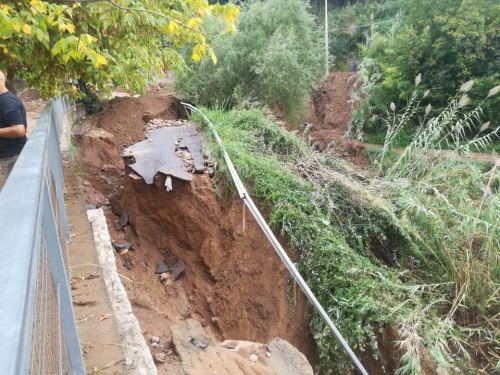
<point>448,42</point>
<point>274,60</point>
<point>123,42</point>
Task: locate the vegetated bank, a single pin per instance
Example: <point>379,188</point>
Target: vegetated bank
<point>407,265</point>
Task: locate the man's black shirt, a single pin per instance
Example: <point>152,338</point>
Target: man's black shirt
<point>12,112</point>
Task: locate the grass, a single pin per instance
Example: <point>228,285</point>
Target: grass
<point>426,262</point>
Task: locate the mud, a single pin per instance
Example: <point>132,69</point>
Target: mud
<point>330,111</point>
<point>234,284</point>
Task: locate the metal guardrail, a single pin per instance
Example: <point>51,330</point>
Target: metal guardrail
<point>278,248</point>
<point>38,333</point>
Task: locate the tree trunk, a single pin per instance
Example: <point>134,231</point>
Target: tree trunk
<point>9,83</point>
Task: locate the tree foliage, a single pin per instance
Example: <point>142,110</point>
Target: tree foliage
<point>448,42</point>
<point>274,60</point>
<point>119,42</point>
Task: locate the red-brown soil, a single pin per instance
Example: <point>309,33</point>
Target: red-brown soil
<point>330,111</point>
<point>234,284</point>
<point>123,116</point>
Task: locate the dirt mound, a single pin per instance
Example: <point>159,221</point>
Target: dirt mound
<point>101,164</point>
<point>330,112</point>
<point>125,117</point>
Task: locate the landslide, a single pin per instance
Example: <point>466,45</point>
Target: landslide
<point>234,284</point>
<point>330,110</point>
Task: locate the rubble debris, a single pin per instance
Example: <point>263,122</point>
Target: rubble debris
<point>119,247</point>
<point>154,339</point>
<point>161,268</point>
<point>200,342</point>
<point>123,220</point>
<point>177,270</point>
<point>164,156</point>
<point>171,265</point>
<point>127,265</point>
<point>159,123</point>
<point>160,357</point>
<point>165,276</point>
<point>168,183</point>
<point>201,352</point>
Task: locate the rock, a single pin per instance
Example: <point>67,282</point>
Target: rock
<point>200,342</point>
<point>165,276</point>
<point>154,339</point>
<point>127,265</point>
<point>154,345</point>
<point>233,357</point>
<point>171,265</point>
<point>160,357</point>
<point>127,153</point>
<point>123,246</point>
<point>90,207</point>
<point>178,269</point>
<point>123,221</point>
<point>117,226</point>
<point>161,268</point>
<point>147,117</point>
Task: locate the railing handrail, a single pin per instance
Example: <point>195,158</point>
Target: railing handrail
<point>23,200</point>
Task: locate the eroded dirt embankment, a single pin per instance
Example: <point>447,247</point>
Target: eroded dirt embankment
<point>234,283</point>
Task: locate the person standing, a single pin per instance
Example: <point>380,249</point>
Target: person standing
<point>13,126</point>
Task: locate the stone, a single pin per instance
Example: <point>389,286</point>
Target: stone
<point>123,221</point>
<point>160,357</point>
<point>178,269</point>
<point>90,207</point>
<point>165,276</point>
<point>200,342</point>
<point>126,245</point>
<point>161,268</point>
<point>154,339</point>
<point>147,117</point>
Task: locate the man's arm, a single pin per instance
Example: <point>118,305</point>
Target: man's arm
<point>13,131</point>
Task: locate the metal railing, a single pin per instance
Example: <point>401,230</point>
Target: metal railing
<point>38,333</point>
<point>242,192</point>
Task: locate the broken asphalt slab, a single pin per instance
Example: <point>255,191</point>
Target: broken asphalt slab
<point>157,153</point>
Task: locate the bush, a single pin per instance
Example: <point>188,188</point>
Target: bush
<point>274,60</point>
<point>448,42</point>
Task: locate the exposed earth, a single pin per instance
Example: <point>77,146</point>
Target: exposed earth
<point>234,285</point>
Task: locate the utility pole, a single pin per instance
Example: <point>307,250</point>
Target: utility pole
<point>326,37</point>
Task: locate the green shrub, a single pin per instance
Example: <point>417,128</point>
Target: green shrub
<point>273,60</point>
<point>448,42</point>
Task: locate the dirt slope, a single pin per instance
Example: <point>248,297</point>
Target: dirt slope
<point>330,112</point>
<point>234,284</point>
